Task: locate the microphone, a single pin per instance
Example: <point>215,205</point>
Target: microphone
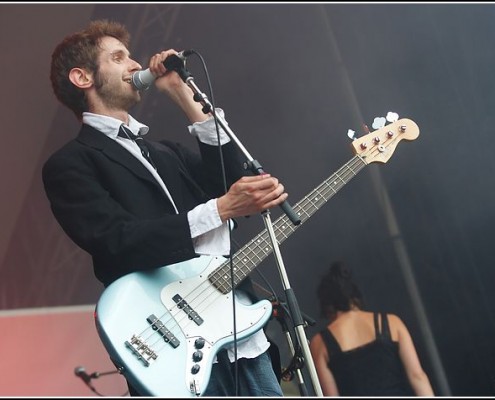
<point>81,373</point>
<point>142,80</point>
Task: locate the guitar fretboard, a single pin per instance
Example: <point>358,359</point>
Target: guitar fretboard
<point>246,259</point>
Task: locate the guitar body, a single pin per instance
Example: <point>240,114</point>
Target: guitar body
<point>163,327</point>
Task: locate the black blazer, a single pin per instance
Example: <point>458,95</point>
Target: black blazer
<point>110,205</point>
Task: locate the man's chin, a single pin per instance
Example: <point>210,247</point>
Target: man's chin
<point>135,99</point>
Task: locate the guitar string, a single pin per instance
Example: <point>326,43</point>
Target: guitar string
<point>204,299</point>
<point>324,190</point>
<point>208,292</point>
<point>310,199</point>
<point>219,275</point>
<point>349,171</point>
<point>373,151</point>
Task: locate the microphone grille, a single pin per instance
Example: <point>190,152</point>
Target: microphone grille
<point>137,82</point>
<point>78,370</point>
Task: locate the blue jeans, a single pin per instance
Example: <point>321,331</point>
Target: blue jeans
<point>255,377</point>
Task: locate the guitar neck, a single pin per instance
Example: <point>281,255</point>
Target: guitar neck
<point>247,258</point>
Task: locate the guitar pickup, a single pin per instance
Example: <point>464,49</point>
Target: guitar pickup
<point>141,350</point>
<point>158,326</point>
<point>182,304</point>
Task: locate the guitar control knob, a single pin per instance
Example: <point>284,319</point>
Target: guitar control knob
<point>195,369</point>
<point>199,343</point>
<point>197,356</point>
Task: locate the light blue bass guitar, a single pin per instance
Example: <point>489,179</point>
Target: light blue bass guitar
<point>163,328</point>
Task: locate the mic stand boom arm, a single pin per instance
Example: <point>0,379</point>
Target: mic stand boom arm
<point>252,164</point>
<point>186,76</point>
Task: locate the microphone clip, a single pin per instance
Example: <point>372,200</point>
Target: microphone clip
<point>177,63</point>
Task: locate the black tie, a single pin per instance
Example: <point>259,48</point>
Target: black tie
<point>127,134</point>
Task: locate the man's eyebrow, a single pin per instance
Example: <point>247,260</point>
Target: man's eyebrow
<point>119,53</point>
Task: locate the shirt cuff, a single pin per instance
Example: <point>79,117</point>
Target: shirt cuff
<point>204,218</point>
<point>206,131</point>
<point>209,234</point>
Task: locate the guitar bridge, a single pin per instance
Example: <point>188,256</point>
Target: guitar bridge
<point>141,350</point>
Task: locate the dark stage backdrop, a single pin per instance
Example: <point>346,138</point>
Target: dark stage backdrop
<point>417,231</point>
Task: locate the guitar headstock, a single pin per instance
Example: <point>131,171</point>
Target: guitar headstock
<point>379,145</point>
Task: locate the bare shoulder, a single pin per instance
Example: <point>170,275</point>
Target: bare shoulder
<point>395,321</point>
<point>397,326</point>
<point>317,346</point>
<point>316,340</point>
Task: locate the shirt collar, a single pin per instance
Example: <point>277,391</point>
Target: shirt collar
<point>110,126</point>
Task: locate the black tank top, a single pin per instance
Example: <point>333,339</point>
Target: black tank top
<point>373,369</point>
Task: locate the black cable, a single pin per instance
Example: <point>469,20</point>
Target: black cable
<point>224,178</point>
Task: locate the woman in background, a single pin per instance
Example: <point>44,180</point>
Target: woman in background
<point>363,353</point>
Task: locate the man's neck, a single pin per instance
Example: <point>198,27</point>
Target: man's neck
<point>118,114</point>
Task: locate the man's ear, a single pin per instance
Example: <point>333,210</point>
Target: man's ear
<point>81,78</point>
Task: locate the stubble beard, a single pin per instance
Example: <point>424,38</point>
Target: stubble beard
<point>115,95</point>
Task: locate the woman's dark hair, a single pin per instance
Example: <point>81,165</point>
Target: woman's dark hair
<point>337,291</point>
<point>81,50</point>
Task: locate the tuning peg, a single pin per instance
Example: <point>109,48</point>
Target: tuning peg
<point>392,116</point>
<point>378,122</point>
<point>352,134</point>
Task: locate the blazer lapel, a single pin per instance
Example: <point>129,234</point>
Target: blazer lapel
<point>94,138</point>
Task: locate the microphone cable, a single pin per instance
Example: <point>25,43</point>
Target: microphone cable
<point>224,178</point>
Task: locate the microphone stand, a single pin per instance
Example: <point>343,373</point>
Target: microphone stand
<point>178,65</point>
<point>95,375</point>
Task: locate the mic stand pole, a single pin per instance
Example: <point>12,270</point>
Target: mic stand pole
<point>294,311</point>
<point>297,361</point>
<point>256,168</point>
